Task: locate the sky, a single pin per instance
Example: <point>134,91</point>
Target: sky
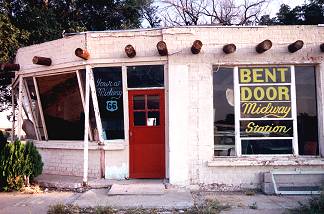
<point>272,10</point>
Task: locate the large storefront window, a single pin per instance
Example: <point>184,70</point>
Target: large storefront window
<point>109,88</point>
<point>62,106</point>
<point>275,111</point>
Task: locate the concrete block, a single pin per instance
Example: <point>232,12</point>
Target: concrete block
<point>267,188</point>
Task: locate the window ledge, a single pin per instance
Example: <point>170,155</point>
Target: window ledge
<point>266,161</point>
<point>78,145</point>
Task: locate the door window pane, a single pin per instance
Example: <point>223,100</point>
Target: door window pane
<point>139,119</point>
<point>306,110</point>
<point>153,102</point>
<point>145,76</point>
<point>153,118</point>
<point>224,137</point>
<point>139,102</point>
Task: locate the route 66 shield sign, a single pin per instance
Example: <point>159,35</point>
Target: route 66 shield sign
<point>111,105</point>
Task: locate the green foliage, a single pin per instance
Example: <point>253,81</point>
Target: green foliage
<point>18,163</point>
<point>315,206</point>
<point>311,13</point>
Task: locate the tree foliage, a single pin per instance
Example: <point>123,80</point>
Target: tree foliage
<point>311,13</point>
<point>27,22</point>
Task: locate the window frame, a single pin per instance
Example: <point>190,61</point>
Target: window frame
<point>237,113</point>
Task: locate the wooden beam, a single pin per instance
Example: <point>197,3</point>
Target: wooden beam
<point>196,47</point>
<point>36,125</point>
<point>82,53</point>
<point>130,51</point>
<point>20,101</point>
<point>40,108</point>
<point>293,47</point>
<point>13,112</point>
<point>229,48</point>
<point>263,46</point>
<point>322,47</point>
<point>83,100</point>
<point>42,60</point>
<point>162,48</point>
<point>86,128</point>
<point>9,67</point>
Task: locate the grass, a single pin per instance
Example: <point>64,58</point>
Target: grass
<point>209,207</point>
<point>314,206</point>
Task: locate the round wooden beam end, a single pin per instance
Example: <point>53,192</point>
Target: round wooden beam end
<point>162,48</point>
<point>9,67</point>
<point>42,60</point>
<point>263,46</point>
<point>295,46</point>
<point>229,48</point>
<point>322,47</point>
<point>196,47</point>
<point>82,53</point>
<point>130,51</point>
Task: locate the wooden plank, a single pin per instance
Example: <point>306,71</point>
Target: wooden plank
<point>82,100</point>
<point>40,108</point>
<point>36,125</point>
<point>86,128</point>
<point>95,105</point>
<point>13,111</point>
<point>20,107</point>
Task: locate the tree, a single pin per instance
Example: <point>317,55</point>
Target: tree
<point>27,22</point>
<point>215,12</point>
<point>10,39</point>
<point>311,13</point>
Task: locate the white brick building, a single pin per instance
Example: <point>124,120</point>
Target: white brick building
<point>174,116</point>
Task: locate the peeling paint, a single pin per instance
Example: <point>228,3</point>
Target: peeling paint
<point>117,172</point>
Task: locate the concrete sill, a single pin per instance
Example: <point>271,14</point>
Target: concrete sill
<point>266,161</point>
<point>114,146</point>
<point>78,145</point>
<point>73,145</point>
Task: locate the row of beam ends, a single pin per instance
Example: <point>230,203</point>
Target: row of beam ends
<point>163,51</point>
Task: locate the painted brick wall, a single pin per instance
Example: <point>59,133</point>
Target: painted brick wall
<point>69,162</point>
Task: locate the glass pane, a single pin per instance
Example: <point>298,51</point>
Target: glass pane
<point>139,119</point>
<point>261,75</point>
<point>266,128</point>
<point>109,88</point>
<point>223,93</point>
<point>62,106</point>
<point>145,76</point>
<point>306,110</point>
<point>139,102</point>
<point>251,147</point>
<point>153,102</point>
<point>153,118</point>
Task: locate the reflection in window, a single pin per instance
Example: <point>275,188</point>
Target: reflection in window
<point>153,102</point>
<point>109,88</point>
<point>253,147</point>
<point>306,110</point>
<point>139,118</point>
<point>139,102</point>
<point>62,106</point>
<point>224,137</point>
<point>153,118</point>
<point>145,76</point>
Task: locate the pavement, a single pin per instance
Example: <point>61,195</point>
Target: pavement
<point>145,194</point>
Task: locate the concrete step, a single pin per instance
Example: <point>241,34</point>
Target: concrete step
<point>137,189</point>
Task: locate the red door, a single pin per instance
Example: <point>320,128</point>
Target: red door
<point>146,133</point>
